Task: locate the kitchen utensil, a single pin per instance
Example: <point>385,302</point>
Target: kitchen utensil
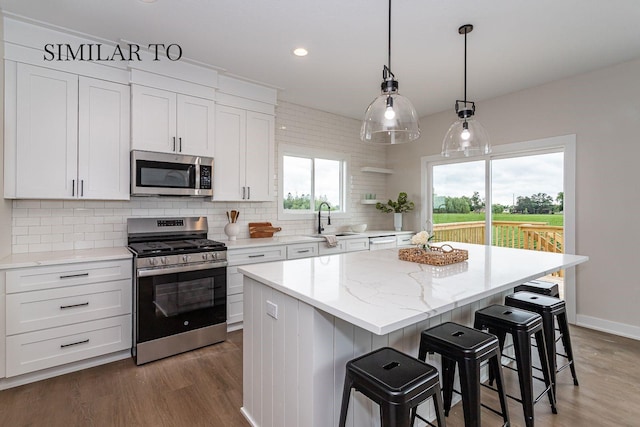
<point>262,229</point>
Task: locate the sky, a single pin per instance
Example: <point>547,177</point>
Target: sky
<point>513,177</point>
<point>298,174</point>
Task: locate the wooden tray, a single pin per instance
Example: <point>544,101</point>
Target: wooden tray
<point>443,255</point>
<point>262,229</point>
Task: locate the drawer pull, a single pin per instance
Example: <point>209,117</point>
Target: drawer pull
<point>256,256</point>
<point>70,276</point>
<point>62,307</point>
<point>303,251</point>
<point>74,343</point>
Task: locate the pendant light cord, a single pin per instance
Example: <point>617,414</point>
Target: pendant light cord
<point>465,67</point>
<point>389,47</point>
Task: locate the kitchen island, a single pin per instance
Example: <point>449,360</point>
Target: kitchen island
<point>304,319</point>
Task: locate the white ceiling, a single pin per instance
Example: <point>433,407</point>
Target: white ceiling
<point>515,44</point>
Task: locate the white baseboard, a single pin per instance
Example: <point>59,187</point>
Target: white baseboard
<point>248,417</point>
<point>622,329</point>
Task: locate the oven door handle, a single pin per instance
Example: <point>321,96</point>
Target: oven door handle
<point>147,272</point>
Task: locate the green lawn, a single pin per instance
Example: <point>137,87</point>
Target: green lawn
<point>440,218</point>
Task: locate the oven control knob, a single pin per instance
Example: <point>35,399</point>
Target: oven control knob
<point>163,260</point>
<point>214,255</point>
<point>153,261</point>
<point>205,256</point>
<point>186,258</point>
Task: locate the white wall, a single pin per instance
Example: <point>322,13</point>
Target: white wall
<point>603,109</point>
<point>45,225</point>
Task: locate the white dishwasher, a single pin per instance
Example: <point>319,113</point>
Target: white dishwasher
<point>382,242</point>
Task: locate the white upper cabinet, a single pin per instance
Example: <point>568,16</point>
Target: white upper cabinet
<point>46,133</point>
<point>103,139</point>
<point>243,164</point>
<point>169,122</point>
<point>69,137</point>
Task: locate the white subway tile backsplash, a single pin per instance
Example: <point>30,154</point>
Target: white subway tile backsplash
<point>44,225</point>
<point>28,221</point>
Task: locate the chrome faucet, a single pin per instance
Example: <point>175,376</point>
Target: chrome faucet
<point>320,227</point>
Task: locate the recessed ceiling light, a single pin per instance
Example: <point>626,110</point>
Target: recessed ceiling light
<point>148,1</point>
<point>300,51</point>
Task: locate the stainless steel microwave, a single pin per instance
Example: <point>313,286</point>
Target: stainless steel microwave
<point>163,174</point>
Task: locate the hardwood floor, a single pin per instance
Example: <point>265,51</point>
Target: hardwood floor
<point>198,388</point>
<point>204,388</point>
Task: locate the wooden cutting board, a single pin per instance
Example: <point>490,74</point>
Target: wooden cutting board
<point>262,229</point>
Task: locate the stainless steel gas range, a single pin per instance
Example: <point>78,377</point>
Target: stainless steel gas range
<point>180,289</point>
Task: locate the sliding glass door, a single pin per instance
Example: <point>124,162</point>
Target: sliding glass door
<point>520,196</point>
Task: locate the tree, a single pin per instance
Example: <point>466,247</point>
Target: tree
<point>560,200</point>
<point>475,202</point>
<point>542,203</point>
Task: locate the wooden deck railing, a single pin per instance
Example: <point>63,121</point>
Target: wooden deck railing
<point>511,234</point>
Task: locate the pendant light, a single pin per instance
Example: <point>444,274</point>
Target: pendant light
<point>390,118</point>
<point>466,136</point>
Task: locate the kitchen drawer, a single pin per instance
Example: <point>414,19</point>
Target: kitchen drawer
<point>302,250</point>
<point>326,250</point>
<point>404,240</point>
<point>234,281</point>
<point>31,311</point>
<point>234,308</point>
<point>33,351</point>
<point>56,276</point>
<point>382,242</point>
<point>255,255</point>
<point>352,245</point>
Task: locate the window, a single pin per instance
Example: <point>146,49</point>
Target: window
<point>308,178</point>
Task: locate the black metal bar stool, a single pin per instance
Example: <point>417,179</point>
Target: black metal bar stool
<point>398,383</point>
<point>468,348</point>
<point>539,287</point>
<point>552,310</point>
<point>522,325</point>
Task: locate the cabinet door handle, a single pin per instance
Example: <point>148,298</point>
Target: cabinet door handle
<point>304,251</point>
<point>73,188</point>
<point>248,192</point>
<point>70,276</point>
<point>256,256</point>
<point>180,145</point>
<point>82,304</point>
<point>174,143</point>
<point>82,188</point>
<point>244,192</point>
<point>74,343</point>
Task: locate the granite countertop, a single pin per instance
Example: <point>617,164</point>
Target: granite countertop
<point>380,293</point>
<point>63,257</point>
<point>286,240</point>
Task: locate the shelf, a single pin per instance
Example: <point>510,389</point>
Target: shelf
<point>370,201</point>
<point>375,170</point>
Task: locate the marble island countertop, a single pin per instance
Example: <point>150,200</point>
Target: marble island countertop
<point>379,293</point>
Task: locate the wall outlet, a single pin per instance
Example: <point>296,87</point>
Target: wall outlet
<point>272,309</point>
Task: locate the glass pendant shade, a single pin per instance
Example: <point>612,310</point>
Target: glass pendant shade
<point>390,119</point>
<point>466,137</point>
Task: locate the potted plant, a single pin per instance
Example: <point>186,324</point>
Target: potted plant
<point>398,208</point>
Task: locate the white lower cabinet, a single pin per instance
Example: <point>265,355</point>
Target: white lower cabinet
<point>325,249</point>
<point>353,245</point>
<point>404,240</point>
<point>236,257</point>
<point>56,346</point>
<point>302,250</point>
<point>65,313</point>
